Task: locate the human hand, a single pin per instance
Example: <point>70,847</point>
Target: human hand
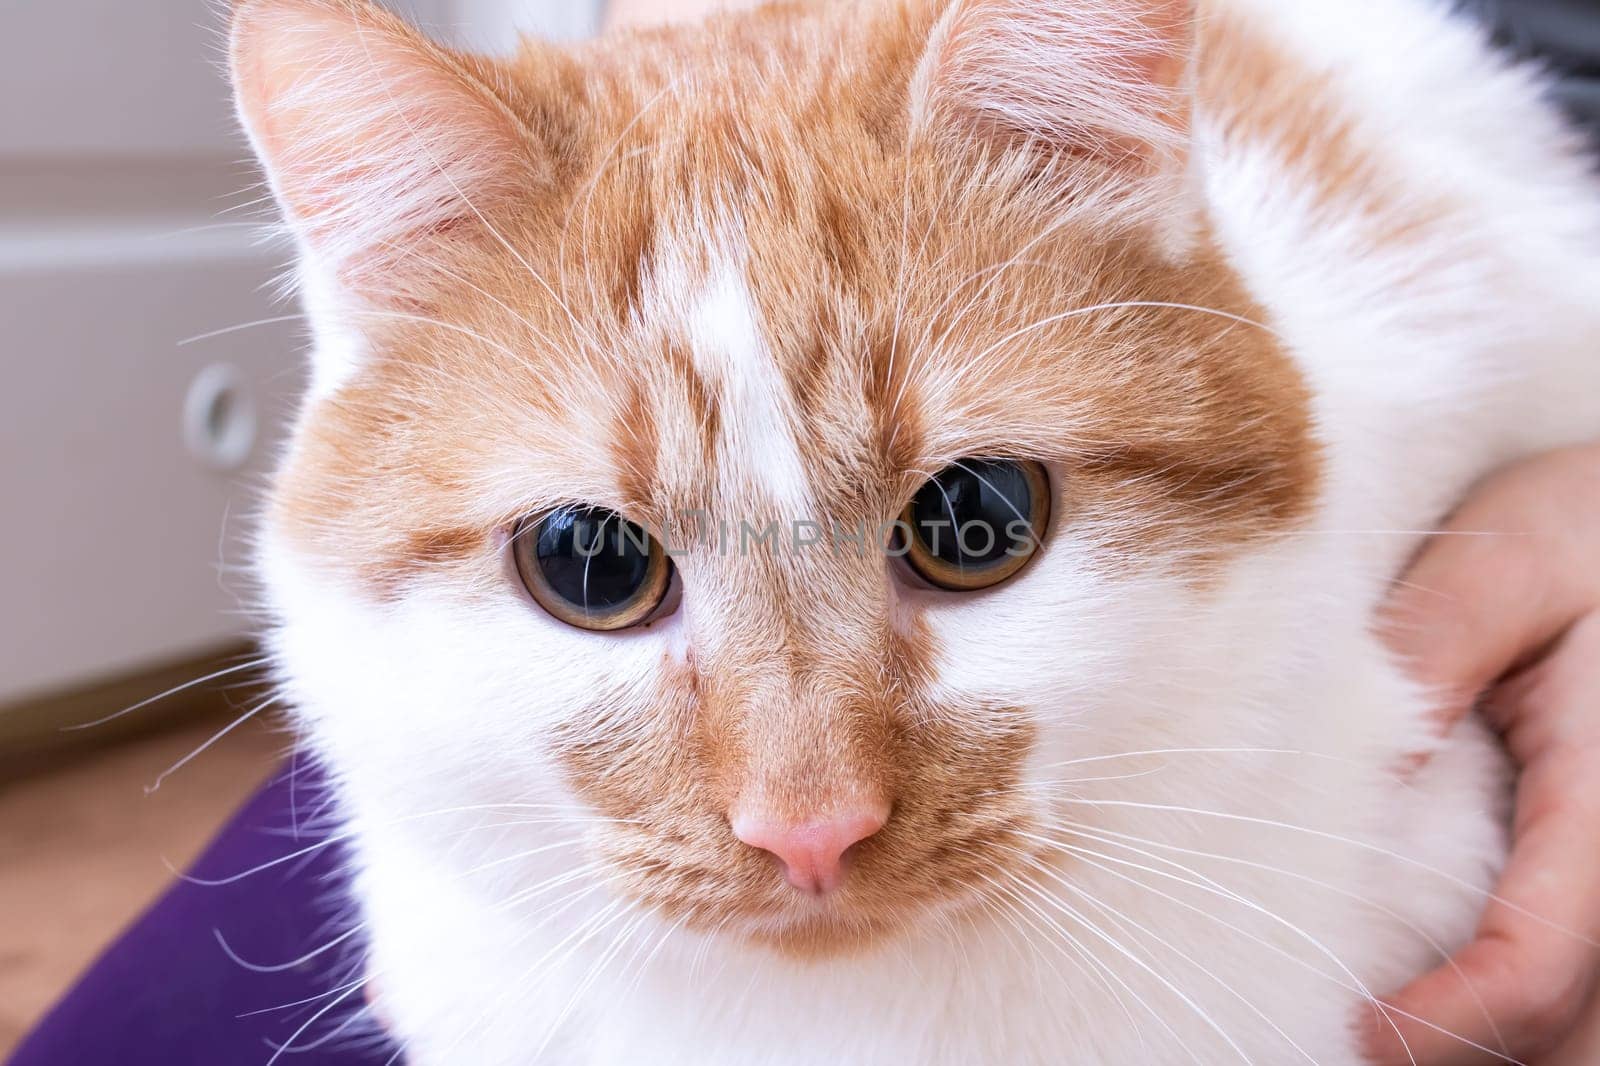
<point>1508,604</point>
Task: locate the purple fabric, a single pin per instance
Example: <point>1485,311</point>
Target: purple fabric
<point>167,993</point>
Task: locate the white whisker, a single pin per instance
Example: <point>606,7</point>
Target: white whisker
<point>1118,839</point>
<point>1120,949</point>
<point>1375,849</point>
<point>283,966</point>
<point>155,785</point>
<point>252,664</point>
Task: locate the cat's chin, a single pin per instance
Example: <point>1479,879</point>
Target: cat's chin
<point>826,937</point>
<point>818,930</point>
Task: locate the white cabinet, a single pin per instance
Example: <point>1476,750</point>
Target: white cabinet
<point>121,528</point>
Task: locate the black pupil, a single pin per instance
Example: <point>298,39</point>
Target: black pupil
<point>593,558</point>
<point>975,514</point>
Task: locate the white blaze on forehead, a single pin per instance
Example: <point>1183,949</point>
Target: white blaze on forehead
<point>758,447</point>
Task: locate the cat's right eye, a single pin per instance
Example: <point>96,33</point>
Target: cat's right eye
<point>591,568</point>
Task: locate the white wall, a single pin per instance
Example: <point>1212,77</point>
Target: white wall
<point>118,164</point>
<point>493,24</point>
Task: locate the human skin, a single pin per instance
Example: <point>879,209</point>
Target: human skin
<point>1505,605</point>
<point>1505,602</point>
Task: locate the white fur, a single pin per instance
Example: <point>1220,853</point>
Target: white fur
<point>757,444</point>
<point>1431,364</point>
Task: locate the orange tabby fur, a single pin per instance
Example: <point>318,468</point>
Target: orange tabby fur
<point>1164,427</point>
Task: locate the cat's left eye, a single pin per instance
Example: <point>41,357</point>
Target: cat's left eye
<point>591,568</point>
<point>976,524</point>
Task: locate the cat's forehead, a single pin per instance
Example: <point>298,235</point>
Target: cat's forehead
<point>728,365</point>
<point>750,423</point>
<point>774,308</point>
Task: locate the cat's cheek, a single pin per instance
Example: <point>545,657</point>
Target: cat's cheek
<point>1069,630</point>
<point>1105,659</point>
<point>462,684</point>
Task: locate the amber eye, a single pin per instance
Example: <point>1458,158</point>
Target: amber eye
<point>976,524</point>
<point>592,568</point>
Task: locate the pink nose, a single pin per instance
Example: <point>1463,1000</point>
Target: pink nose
<point>812,853</point>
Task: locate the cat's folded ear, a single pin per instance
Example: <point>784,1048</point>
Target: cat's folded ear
<point>1103,82</point>
<point>375,140</point>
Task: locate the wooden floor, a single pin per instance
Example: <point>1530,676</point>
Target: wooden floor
<point>84,849</point>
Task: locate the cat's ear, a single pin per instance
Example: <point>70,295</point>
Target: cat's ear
<point>1109,81</point>
<point>375,140</point>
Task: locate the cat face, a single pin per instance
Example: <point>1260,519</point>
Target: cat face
<point>770,276</point>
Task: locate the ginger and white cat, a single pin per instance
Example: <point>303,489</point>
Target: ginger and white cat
<point>1227,301</point>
